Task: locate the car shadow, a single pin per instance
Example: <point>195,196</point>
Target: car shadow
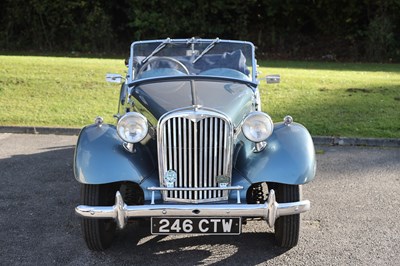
<point>38,194</point>
<point>247,248</point>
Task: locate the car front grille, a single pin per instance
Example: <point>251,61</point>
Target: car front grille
<point>196,145</point>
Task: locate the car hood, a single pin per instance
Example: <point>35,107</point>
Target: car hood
<point>234,99</point>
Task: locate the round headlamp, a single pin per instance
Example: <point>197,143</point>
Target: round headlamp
<point>257,126</point>
<point>132,127</point>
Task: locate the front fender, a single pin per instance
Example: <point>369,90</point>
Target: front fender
<point>289,157</point>
<point>100,158</point>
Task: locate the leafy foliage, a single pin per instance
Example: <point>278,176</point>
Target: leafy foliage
<point>324,29</point>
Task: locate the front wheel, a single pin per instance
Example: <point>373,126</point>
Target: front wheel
<point>98,233</point>
<point>287,228</point>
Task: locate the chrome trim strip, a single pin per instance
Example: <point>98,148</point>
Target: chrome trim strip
<point>184,157</point>
<point>215,193</point>
<point>206,162</point>
<point>120,212</point>
<point>193,188</point>
<point>201,167</point>
<point>169,147</point>
<point>180,156</point>
<point>175,152</point>
<point>190,154</point>
<point>210,171</point>
<point>195,144</point>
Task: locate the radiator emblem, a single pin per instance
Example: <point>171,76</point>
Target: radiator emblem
<point>170,178</point>
<point>222,180</point>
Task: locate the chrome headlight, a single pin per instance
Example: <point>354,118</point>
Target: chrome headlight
<point>132,127</point>
<point>257,126</point>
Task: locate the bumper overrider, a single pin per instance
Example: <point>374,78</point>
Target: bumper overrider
<point>120,212</point>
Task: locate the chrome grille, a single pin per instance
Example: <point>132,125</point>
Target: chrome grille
<point>197,146</point>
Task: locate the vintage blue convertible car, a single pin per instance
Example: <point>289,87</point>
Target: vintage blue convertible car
<point>192,151</point>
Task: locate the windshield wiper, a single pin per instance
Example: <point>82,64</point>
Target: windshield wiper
<point>159,48</point>
<point>208,48</point>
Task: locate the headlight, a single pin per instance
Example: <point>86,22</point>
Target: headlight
<point>257,126</point>
<point>132,127</point>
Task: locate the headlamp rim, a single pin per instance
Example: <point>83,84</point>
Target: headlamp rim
<point>252,115</point>
<point>127,116</point>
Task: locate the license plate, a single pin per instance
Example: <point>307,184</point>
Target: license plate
<point>196,225</point>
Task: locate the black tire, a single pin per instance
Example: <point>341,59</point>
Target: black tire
<point>287,228</point>
<point>98,233</point>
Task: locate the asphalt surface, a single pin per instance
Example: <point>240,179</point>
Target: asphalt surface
<point>354,217</point>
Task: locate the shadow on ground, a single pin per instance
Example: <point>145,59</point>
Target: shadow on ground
<point>38,195</point>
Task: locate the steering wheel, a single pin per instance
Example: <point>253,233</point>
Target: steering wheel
<point>164,58</point>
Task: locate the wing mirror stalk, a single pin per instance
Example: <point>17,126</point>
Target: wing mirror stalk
<point>271,79</point>
<point>114,78</point>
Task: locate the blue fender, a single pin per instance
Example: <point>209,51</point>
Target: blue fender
<point>101,158</point>
<point>289,157</point>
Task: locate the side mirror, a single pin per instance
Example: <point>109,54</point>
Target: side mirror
<point>114,78</point>
<point>271,79</point>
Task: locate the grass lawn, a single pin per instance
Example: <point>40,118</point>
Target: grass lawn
<point>336,99</point>
<point>331,99</point>
<point>56,91</point>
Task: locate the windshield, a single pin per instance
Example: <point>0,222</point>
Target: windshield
<point>192,57</point>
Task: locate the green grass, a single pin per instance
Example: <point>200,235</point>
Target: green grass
<point>331,99</point>
<point>336,99</point>
<point>54,91</point>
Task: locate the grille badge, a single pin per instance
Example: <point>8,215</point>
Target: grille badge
<point>222,180</point>
<point>170,178</point>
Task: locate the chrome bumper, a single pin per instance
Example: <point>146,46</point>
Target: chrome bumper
<point>120,212</point>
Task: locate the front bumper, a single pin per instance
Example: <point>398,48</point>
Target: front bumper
<point>120,212</point>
